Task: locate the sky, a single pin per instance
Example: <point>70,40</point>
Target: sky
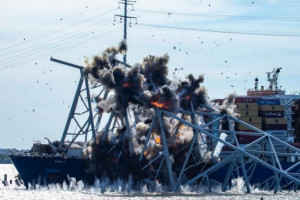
<point>229,41</point>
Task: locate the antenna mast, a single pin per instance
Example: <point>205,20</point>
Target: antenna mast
<point>125,17</point>
<point>274,79</point>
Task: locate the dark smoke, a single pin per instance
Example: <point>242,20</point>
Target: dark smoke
<point>155,70</point>
<point>139,90</point>
<point>191,91</point>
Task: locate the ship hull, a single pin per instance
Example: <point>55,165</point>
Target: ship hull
<point>46,169</point>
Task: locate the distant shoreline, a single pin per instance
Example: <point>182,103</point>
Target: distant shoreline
<point>4,159</point>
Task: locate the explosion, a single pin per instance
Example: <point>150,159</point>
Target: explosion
<point>134,95</point>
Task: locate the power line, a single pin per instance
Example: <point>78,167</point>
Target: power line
<point>61,49</point>
<point>274,18</point>
<point>224,31</point>
<point>43,49</point>
<point>43,44</point>
<point>42,36</point>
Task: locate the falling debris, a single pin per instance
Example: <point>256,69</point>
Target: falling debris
<point>142,87</point>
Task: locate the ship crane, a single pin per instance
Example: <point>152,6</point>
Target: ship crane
<point>273,78</point>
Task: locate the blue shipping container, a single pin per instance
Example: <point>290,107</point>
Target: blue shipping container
<point>268,101</point>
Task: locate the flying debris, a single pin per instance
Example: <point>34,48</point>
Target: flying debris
<point>160,132</point>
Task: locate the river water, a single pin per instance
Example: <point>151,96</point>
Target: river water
<point>79,192</point>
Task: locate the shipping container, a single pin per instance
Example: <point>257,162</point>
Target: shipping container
<point>277,133</point>
<point>274,121</point>
<point>225,154</point>
<point>226,148</point>
<point>247,139</point>
<point>254,120</point>
<point>297,113</point>
<point>276,146</point>
<point>219,101</point>
<point>268,101</point>
<point>247,106</point>
<point>297,120</point>
<point>248,113</point>
<point>271,108</point>
<point>239,127</point>
<point>271,114</point>
<point>246,99</point>
<point>296,107</point>
<point>274,126</point>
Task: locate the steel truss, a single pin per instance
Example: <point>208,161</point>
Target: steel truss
<point>215,156</point>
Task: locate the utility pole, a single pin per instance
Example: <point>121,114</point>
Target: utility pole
<point>125,17</point>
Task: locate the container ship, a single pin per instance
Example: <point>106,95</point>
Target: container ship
<point>271,110</point>
<point>195,144</point>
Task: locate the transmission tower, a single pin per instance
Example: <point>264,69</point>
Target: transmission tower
<point>125,3</point>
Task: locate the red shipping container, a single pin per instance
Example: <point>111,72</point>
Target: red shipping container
<point>246,99</point>
<point>219,101</point>
<point>247,139</point>
<point>226,148</point>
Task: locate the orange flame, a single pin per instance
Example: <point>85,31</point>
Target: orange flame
<point>160,105</point>
<point>181,127</point>
<point>145,153</point>
<point>157,140</point>
<point>126,85</point>
<point>179,133</point>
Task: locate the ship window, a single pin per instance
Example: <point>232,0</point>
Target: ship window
<point>247,113</point>
<point>250,119</point>
<point>276,121</point>
<point>247,106</point>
